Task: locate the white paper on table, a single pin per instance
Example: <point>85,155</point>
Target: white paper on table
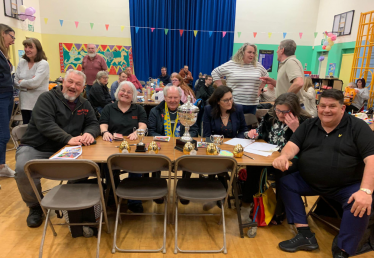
<point>262,146</point>
<point>261,153</point>
<point>243,142</point>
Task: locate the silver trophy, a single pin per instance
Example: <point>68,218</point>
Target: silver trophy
<point>187,114</point>
<point>217,140</point>
<point>140,133</point>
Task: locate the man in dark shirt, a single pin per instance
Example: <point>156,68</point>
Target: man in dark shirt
<point>164,77</point>
<point>336,160</point>
<point>205,91</point>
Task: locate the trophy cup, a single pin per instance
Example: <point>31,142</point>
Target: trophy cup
<point>217,139</point>
<point>141,133</point>
<point>187,114</point>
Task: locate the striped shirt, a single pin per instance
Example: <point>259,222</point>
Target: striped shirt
<point>242,79</point>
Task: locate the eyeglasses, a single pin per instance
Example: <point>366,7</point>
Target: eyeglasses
<point>11,36</point>
<point>176,80</point>
<point>227,100</point>
<point>282,111</point>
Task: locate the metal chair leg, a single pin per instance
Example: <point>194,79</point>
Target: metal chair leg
<point>44,233</point>
<point>224,229</point>
<point>99,233</point>
<point>165,222</point>
<point>305,201</point>
<point>238,208</point>
<point>116,226</point>
<point>176,226</point>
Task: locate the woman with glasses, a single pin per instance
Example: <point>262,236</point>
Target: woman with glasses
<point>99,95</point>
<point>276,127</point>
<point>178,81</point>
<point>7,37</point>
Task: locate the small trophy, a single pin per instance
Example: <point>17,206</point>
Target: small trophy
<point>217,139</point>
<point>141,133</point>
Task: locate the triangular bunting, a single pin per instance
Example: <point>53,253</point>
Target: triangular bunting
<point>195,32</point>
<point>223,34</point>
<point>152,29</point>
<point>210,33</point>
<point>106,26</point>
<point>269,34</point>
<point>136,29</point>
<point>76,24</point>
<point>68,46</point>
<point>239,33</point>
<point>166,31</point>
<point>284,34</point>
<point>91,25</point>
<point>122,27</point>
<point>78,46</point>
<point>301,35</point>
<point>254,34</point>
<point>103,47</point>
<point>45,20</point>
<point>181,32</point>
<point>61,22</point>
<point>315,34</point>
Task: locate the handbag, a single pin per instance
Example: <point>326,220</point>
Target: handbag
<point>265,201</point>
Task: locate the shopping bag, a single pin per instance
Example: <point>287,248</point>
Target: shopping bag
<point>266,200</point>
<point>349,95</point>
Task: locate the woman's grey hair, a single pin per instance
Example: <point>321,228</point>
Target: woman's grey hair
<point>68,72</point>
<point>169,87</point>
<point>131,85</point>
<point>101,74</point>
<point>239,55</point>
<point>352,84</point>
<point>289,47</point>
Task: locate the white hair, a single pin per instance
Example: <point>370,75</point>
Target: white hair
<point>91,44</point>
<point>170,87</point>
<point>101,74</point>
<point>68,72</point>
<point>131,85</point>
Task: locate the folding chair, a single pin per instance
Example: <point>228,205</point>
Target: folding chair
<point>16,116</point>
<point>202,189</point>
<point>250,120</point>
<point>68,196</point>
<point>17,133</point>
<point>139,188</point>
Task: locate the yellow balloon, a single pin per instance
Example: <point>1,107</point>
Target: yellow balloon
<point>22,8</point>
<point>328,48</point>
<point>331,43</point>
<point>329,39</point>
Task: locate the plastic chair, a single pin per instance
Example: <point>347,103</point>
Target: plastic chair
<point>202,189</point>
<point>142,83</point>
<point>68,196</point>
<point>139,188</point>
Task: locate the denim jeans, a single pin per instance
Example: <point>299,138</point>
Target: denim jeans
<point>249,109</point>
<point>6,108</point>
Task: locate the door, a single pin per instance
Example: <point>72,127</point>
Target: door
<point>345,69</point>
<point>323,66</point>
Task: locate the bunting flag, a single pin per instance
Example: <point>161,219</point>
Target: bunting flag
<point>136,29</point>
<point>301,35</point>
<point>195,32</point>
<point>181,32</point>
<point>122,27</point>
<point>76,24</point>
<point>254,34</point>
<point>223,34</point>
<point>210,33</point>
<point>239,33</point>
<point>284,34</point>
<point>315,34</point>
<point>269,34</point>
<point>106,26</point>
<point>61,22</point>
<point>152,29</point>
<point>45,20</point>
<point>91,24</point>
<point>166,31</point>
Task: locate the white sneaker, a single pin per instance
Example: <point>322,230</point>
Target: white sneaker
<point>6,172</point>
<point>245,212</point>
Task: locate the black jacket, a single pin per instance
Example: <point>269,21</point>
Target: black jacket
<point>6,81</point>
<point>204,92</point>
<point>53,124</point>
<point>99,95</point>
<point>165,79</point>
<point>156,122</point>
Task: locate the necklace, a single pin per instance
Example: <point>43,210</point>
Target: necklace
<point>224,117</point>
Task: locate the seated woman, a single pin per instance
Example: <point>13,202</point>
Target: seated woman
<point>121,117</point>
<point>178,81</point>
<point>99,95</point>
<point>361,96</point>
<point>276,127</point>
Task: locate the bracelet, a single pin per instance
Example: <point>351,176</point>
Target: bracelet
<point>102,134</point>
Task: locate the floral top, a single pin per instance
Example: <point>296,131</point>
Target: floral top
<point>276,134</point>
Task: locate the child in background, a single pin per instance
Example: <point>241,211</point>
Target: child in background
<point>309,95</point>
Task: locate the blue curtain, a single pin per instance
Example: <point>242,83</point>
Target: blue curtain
<point>152,50</point>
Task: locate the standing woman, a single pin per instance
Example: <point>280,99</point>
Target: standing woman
<point>243,74</point>
<point>6,94</point>
<point>309,95</point>
<point>32,76</point>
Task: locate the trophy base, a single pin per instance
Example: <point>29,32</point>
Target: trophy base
<point>179,144</point>
<point>140,148</point>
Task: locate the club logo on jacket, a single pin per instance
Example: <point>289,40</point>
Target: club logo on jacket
<point>82,112</point>
<point>134,117</point>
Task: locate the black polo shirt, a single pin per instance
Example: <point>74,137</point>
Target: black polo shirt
<point>329,162</point>
<point>123,123</point>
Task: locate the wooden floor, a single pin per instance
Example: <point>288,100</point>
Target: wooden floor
<point>17,240</point>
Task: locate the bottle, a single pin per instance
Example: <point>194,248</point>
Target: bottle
<point>145,94</point>
<point>149,92</point>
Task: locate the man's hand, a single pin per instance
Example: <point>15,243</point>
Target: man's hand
<point>75,141</point>
<point>268,80</point>
<point>281,163</point>
<point>87,139</point>
<point>292,121</point>
<point>132,136</point>
<point>362,203</point>
<point>108,137</point>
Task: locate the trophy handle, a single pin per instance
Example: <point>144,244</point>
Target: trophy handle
<point>146,132</point>
<point>134,129</point>
<point>222,137</point>
<point>211,139</point>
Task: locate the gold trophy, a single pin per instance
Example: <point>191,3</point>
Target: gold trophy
<point>140,133</point>
<point>153,148</point>
<point>238,151</point>
<point>124,147</point>
<point>211,149</point>
<point>189,148</point>
<point>187,114</point>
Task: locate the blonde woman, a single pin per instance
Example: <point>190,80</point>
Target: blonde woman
<point>243,74</point>
<point>309,95</point>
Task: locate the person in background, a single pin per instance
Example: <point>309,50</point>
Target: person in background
<point>361,96</point>
<point>99,96</point>
<point>177,80</point>
<point>7,37</point>
<point>132,78</point>
<point>92,63</point>
<point>243,74</point>
<point>206,90</point>
<point>164,77</point>
<point>32,76</point>
<point>267,94</point>
<point>309,95</point>
<point>122,77</point>
<point>199,82</point>
<point>186,75</point>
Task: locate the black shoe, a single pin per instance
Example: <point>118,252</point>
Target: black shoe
<point>336,251</point>
<point>184,202</point>
<point>299,243</point>
<point>159,201</point>
<point>136,207</point>
<point>35,218</point>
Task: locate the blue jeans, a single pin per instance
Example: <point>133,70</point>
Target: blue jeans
<point>99,109</point>
<point>6,108</point>
<point>88,88</point>
<point>249,109</point>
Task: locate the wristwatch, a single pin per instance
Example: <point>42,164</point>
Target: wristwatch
<point>369,192</point>
<point>102,134</point>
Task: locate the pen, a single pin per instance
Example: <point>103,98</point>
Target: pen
<point>248,157</point>
<point>110,140</point>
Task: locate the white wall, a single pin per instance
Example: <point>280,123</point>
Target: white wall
<point>100,12</point>
<point>276,16</point>
<point>329,8</point>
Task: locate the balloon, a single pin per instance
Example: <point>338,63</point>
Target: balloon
<point>22,16</point>
<point>29,11</point>
<point>328,48</point>
<point>329,40</point>
<point>321,58</point>
<point>323,47</point>
<point>22,8</point>
<point>329,34</point>
<point>326,43</point>
<point>31,18</point>
<point>333,37</point>
<point>33,10</point>
<point>331,43</point>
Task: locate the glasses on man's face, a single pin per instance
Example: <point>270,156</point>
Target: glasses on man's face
<point>13,38</point>
<point>282,111</point>
<point>227,100</point>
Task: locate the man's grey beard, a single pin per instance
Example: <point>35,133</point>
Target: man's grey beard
<point>92,55</point>
<point>69,98</point>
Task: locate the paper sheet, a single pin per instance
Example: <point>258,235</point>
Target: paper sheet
<point>261,153</point>
<point>243,142</point>
<point>263,146</point>
<point>68,153</point>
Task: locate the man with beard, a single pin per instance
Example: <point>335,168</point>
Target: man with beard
<point>60,116</point>
<point>92,63</point>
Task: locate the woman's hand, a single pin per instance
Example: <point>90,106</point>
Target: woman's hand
<point>252,134</point>
<point>292,121</point>
<point>132,136</point>
<point>108,137</point>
